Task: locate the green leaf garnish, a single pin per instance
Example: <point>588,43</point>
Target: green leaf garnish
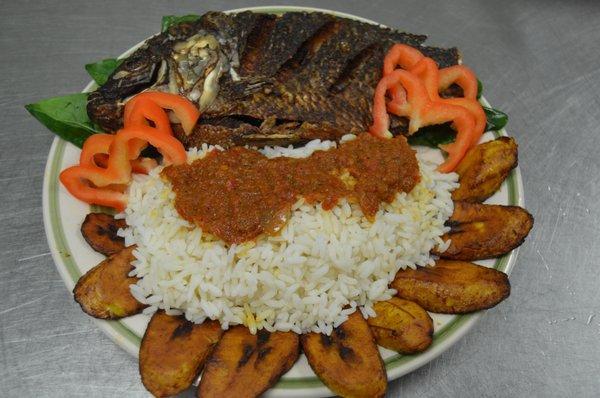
<point>170,20</point>
<point>101,70</point>
<point>479,88</point>
<point>433,136</point>
<point>495,119</point>
<point>66,116</point>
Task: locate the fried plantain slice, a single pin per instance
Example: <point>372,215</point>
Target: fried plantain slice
<point>103,292</point>
<point>348,361</point>
<point>452,287</point>
<point>174,351</point>
<point>246,365</point>
<point>100,231</point>
<point>480,231</point>
<point>402,326</point>
<point>484,168</point>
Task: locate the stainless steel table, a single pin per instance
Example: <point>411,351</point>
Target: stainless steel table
<point>539,61</point>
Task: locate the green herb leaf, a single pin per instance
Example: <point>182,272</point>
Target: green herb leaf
<point>101,70</point>
<point>479,88</point>
<point>66,116</point>
<point>495,119</point>
<point>170,20</point>
<point>432,136</point>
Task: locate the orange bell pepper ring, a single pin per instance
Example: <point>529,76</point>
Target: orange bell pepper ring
<point>94,154</point>
<point>76,180</point>
<point>405,57</point>
<point>462,76</point>
<point>186,112</point>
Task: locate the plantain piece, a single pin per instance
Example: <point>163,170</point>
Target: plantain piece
<point>348,361</point>
<point>173,352</point>
<point>484,168</point>
<point>246,365</point>
<point>452,287</point>
<point>480,231</point>
<point>100,231</point>
<point>402,326</point>
<point>103,292</point>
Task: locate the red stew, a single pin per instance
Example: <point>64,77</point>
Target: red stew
<point>239,194</point>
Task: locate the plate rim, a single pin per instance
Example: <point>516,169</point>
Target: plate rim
<point>396,366</point>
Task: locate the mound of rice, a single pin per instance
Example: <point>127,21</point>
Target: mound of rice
<point>320,269</point>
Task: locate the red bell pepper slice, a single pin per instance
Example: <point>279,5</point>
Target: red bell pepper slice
<point>186,112</point>
<point>76,180</point>
<point>94,154</point>
<point>461,75</point>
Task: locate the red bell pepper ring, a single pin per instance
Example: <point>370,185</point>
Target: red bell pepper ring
<point>76,180</point>
<point>416,100</point>
<point>422,111</point>
<point>171,148</point>
<point>141,111</point>
<point>186,112</point>
<point>462,76</point>
<point>405,57</point>
<point>427,70</point>
<point>476,110</point>
<point>94,154</point>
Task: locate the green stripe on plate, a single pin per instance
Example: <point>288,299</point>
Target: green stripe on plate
<point>61,241</point>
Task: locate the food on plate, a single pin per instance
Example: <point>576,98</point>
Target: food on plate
<point>246,365</point>
<point>452,287</point>
<point>103,292</point>
<point>299,278</point>
<point>99,184</point>
<point>347,361</point>
<point>484,168</point>
<point>271,200</point>
<point>401,325</point>
<point>415,88</point>
<point>174,351</point>
<point>479,231</point>
<point>262,79</point>
<point>100,231</point>
<point>240,194</point>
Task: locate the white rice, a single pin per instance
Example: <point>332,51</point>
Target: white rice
<point>320,269</point>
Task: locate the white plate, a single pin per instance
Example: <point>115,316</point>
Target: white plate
<point>73,257</point>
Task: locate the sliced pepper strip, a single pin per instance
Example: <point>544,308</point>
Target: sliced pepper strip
<point>462,76</point>
<point>106,161</point>
<point>171,148</point>
<point>140,111</point>
<point>466,113</point>
<point>422,111</point>
<point>405,57</point>
<point>138,166</point>
<point>427,70</point>
<point>94,154</point>
<point>76,181</point>
<point>186,112</point>
<point>416,96</point>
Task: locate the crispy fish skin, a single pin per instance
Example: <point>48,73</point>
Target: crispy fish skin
<point>173,352</point>
<point>103,292</point>
<point>348,361</point>
<point>479,231</point>
<point>246,365</point>
<point>484,168</point>
<point>452,287</point>
<point>100,231</point>
<point>401,325</point>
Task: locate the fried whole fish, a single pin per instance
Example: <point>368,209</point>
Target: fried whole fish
<point>263,79</point>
